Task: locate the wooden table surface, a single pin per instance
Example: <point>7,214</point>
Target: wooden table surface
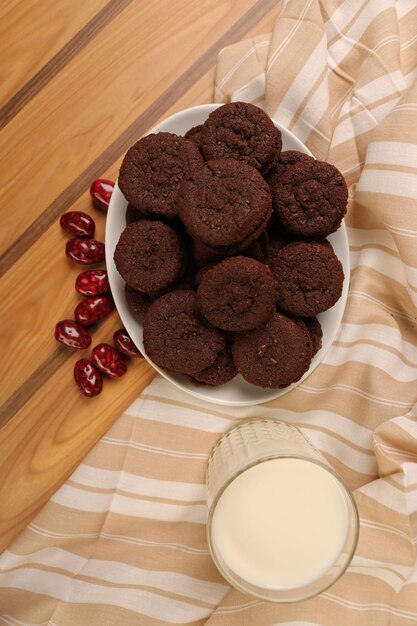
<point>80,82</point>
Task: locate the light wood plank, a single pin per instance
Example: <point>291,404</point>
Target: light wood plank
<point>37,300</point>
<point>32,32</point>
<point>48,439</point>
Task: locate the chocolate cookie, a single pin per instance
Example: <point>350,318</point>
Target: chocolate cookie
<point>275,245</point>
<point>204,254</point>
<point>310,198</point>
<point>310,278</point>
<point>274,355</point>
<point>237,294</point>
<point>194,134</point>
<point>153,170</point>
<point>277,230</point>
<point>202,272</point>
<point>149,256</point>
<point>225,203</point>
<point>241,131</point>
<point>316,333</point>
<point>138,303</point>
<point>177,337</point>
<point>285,161</point>
<point>222,371</point>
<point>303,326</point>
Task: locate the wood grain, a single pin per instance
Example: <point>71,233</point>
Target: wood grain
<point>67,134</point>
<point>61,58</point>
<point>52,437</point>
<point>32,32</point>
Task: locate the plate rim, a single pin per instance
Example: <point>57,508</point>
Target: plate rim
<point>274,393</point>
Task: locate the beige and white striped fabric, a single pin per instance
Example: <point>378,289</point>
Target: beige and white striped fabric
<point>123,541</point>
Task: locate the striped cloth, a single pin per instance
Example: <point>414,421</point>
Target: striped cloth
<point>123,541</point>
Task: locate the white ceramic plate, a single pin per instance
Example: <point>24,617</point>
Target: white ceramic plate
<point>237,392</point>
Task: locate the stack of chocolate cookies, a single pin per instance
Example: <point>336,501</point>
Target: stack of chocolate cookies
<point>224,253</point>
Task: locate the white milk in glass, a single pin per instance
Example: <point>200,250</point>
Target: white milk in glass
<point>281,524</point>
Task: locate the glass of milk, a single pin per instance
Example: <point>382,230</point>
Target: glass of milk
<point>282,525</point>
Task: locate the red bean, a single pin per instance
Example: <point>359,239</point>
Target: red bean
<point>92,282</point>
<point>88,378</point>
<point>125,345</point>
<point>77,224</point>
<point>92,310</point>
<point>101,191</point>
<point>108,360</point>
<point>72,335</point>
<point>85,251</point>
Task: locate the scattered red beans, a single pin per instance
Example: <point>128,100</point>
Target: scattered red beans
<point>77,224</point>
<point>108,360</point>
<point>101,191</point>
<point>125,345</point>
<point>88,378</point>
<point>72,335</point>
<point>93,310</point>
<point>85,251</point>
<point>92,282</point>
